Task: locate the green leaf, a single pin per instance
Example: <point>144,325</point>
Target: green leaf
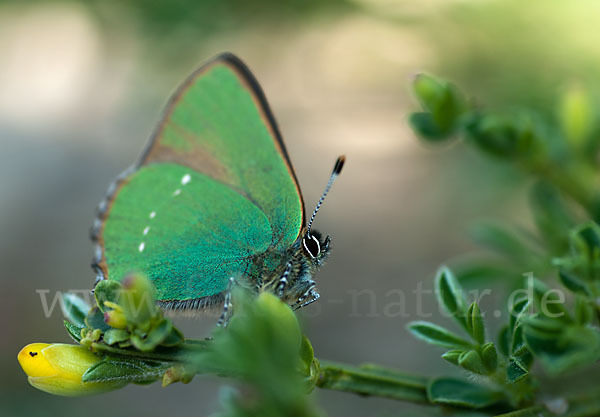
<point>517,343</point>
<point>471,361</point>
<point>450,295</point>
<point>425,126</point>
<point>95,320</point>
<point>112,336</point>
<point>73,330</point>
<point>475,323</point>
<point>125,370</point>
<point>504,340</point>
<point>584,312</point>
<point>516,369</point>
<point>436,335</point>
<point>573,283</point>
<point>519,309</point>
<point>575,346</point>
<point>452,356</point>
<point>504,241</point>
<point>107,290</point>
<point>553,219</point>
<point>494,135</point>
<point>549,301</point>
<point>461,393</point>
<point>489,356</point>
<point>75,309</point>
<point>588,237</point>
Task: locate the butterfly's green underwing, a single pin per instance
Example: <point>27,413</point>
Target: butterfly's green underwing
<point>212,200</point>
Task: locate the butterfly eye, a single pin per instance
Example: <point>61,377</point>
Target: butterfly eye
<point>311,246</point>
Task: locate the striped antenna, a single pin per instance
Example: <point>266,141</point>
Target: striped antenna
<point>337,168</point>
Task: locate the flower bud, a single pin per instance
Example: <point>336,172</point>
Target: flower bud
<point>115,319</point>
<point>273,308</point>
<point>58,369</point>
<point>137,300</point>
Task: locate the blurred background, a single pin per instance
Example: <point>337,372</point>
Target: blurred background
<point>82,84</point>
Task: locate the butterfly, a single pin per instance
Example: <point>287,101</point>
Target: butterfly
<point>212,200</point>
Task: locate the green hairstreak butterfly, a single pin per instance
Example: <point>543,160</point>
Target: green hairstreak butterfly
<point>212,200</point>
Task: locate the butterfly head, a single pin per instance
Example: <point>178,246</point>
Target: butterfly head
<point>314,247</point>
<point>309,253</point>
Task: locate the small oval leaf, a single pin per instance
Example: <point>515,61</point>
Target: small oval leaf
<point>461,393</point>
<point>437,335</point>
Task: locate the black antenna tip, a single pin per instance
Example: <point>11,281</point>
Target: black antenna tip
<point>339,164</point>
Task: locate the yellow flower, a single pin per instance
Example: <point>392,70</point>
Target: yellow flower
<point>58,368</point>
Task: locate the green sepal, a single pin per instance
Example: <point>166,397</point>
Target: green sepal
<point>460,393</point>
<point>475,323</point>
<point>436,335</point>
<point>450,295</point>
<point>307,354</point>
<point>452,356</point>
<point>112,336</point>
<point>489,356</point>
<point>107,290</point>
<point>95,320</point>
<point>471,361</point>
<point>147,342</point>
<point>75,309</point>
<point>73,330</point>
<point>125,370</point>
<point>310,366</point>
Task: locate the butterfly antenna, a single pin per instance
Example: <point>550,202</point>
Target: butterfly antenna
<point>337,168</point>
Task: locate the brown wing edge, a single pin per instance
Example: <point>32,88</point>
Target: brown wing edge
<point>98,262</point>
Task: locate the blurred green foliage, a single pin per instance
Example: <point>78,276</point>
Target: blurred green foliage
<point>561,333</point>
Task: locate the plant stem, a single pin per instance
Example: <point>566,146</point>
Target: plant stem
<point>372,380</point>
<point>174,354</point>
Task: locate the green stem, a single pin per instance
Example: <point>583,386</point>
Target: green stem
<point>373,380</point>
<point>174,354</point>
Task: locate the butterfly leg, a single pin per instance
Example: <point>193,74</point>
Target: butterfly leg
<point>283,280</point>
<point>227,306</point>
<point>309,297</point>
